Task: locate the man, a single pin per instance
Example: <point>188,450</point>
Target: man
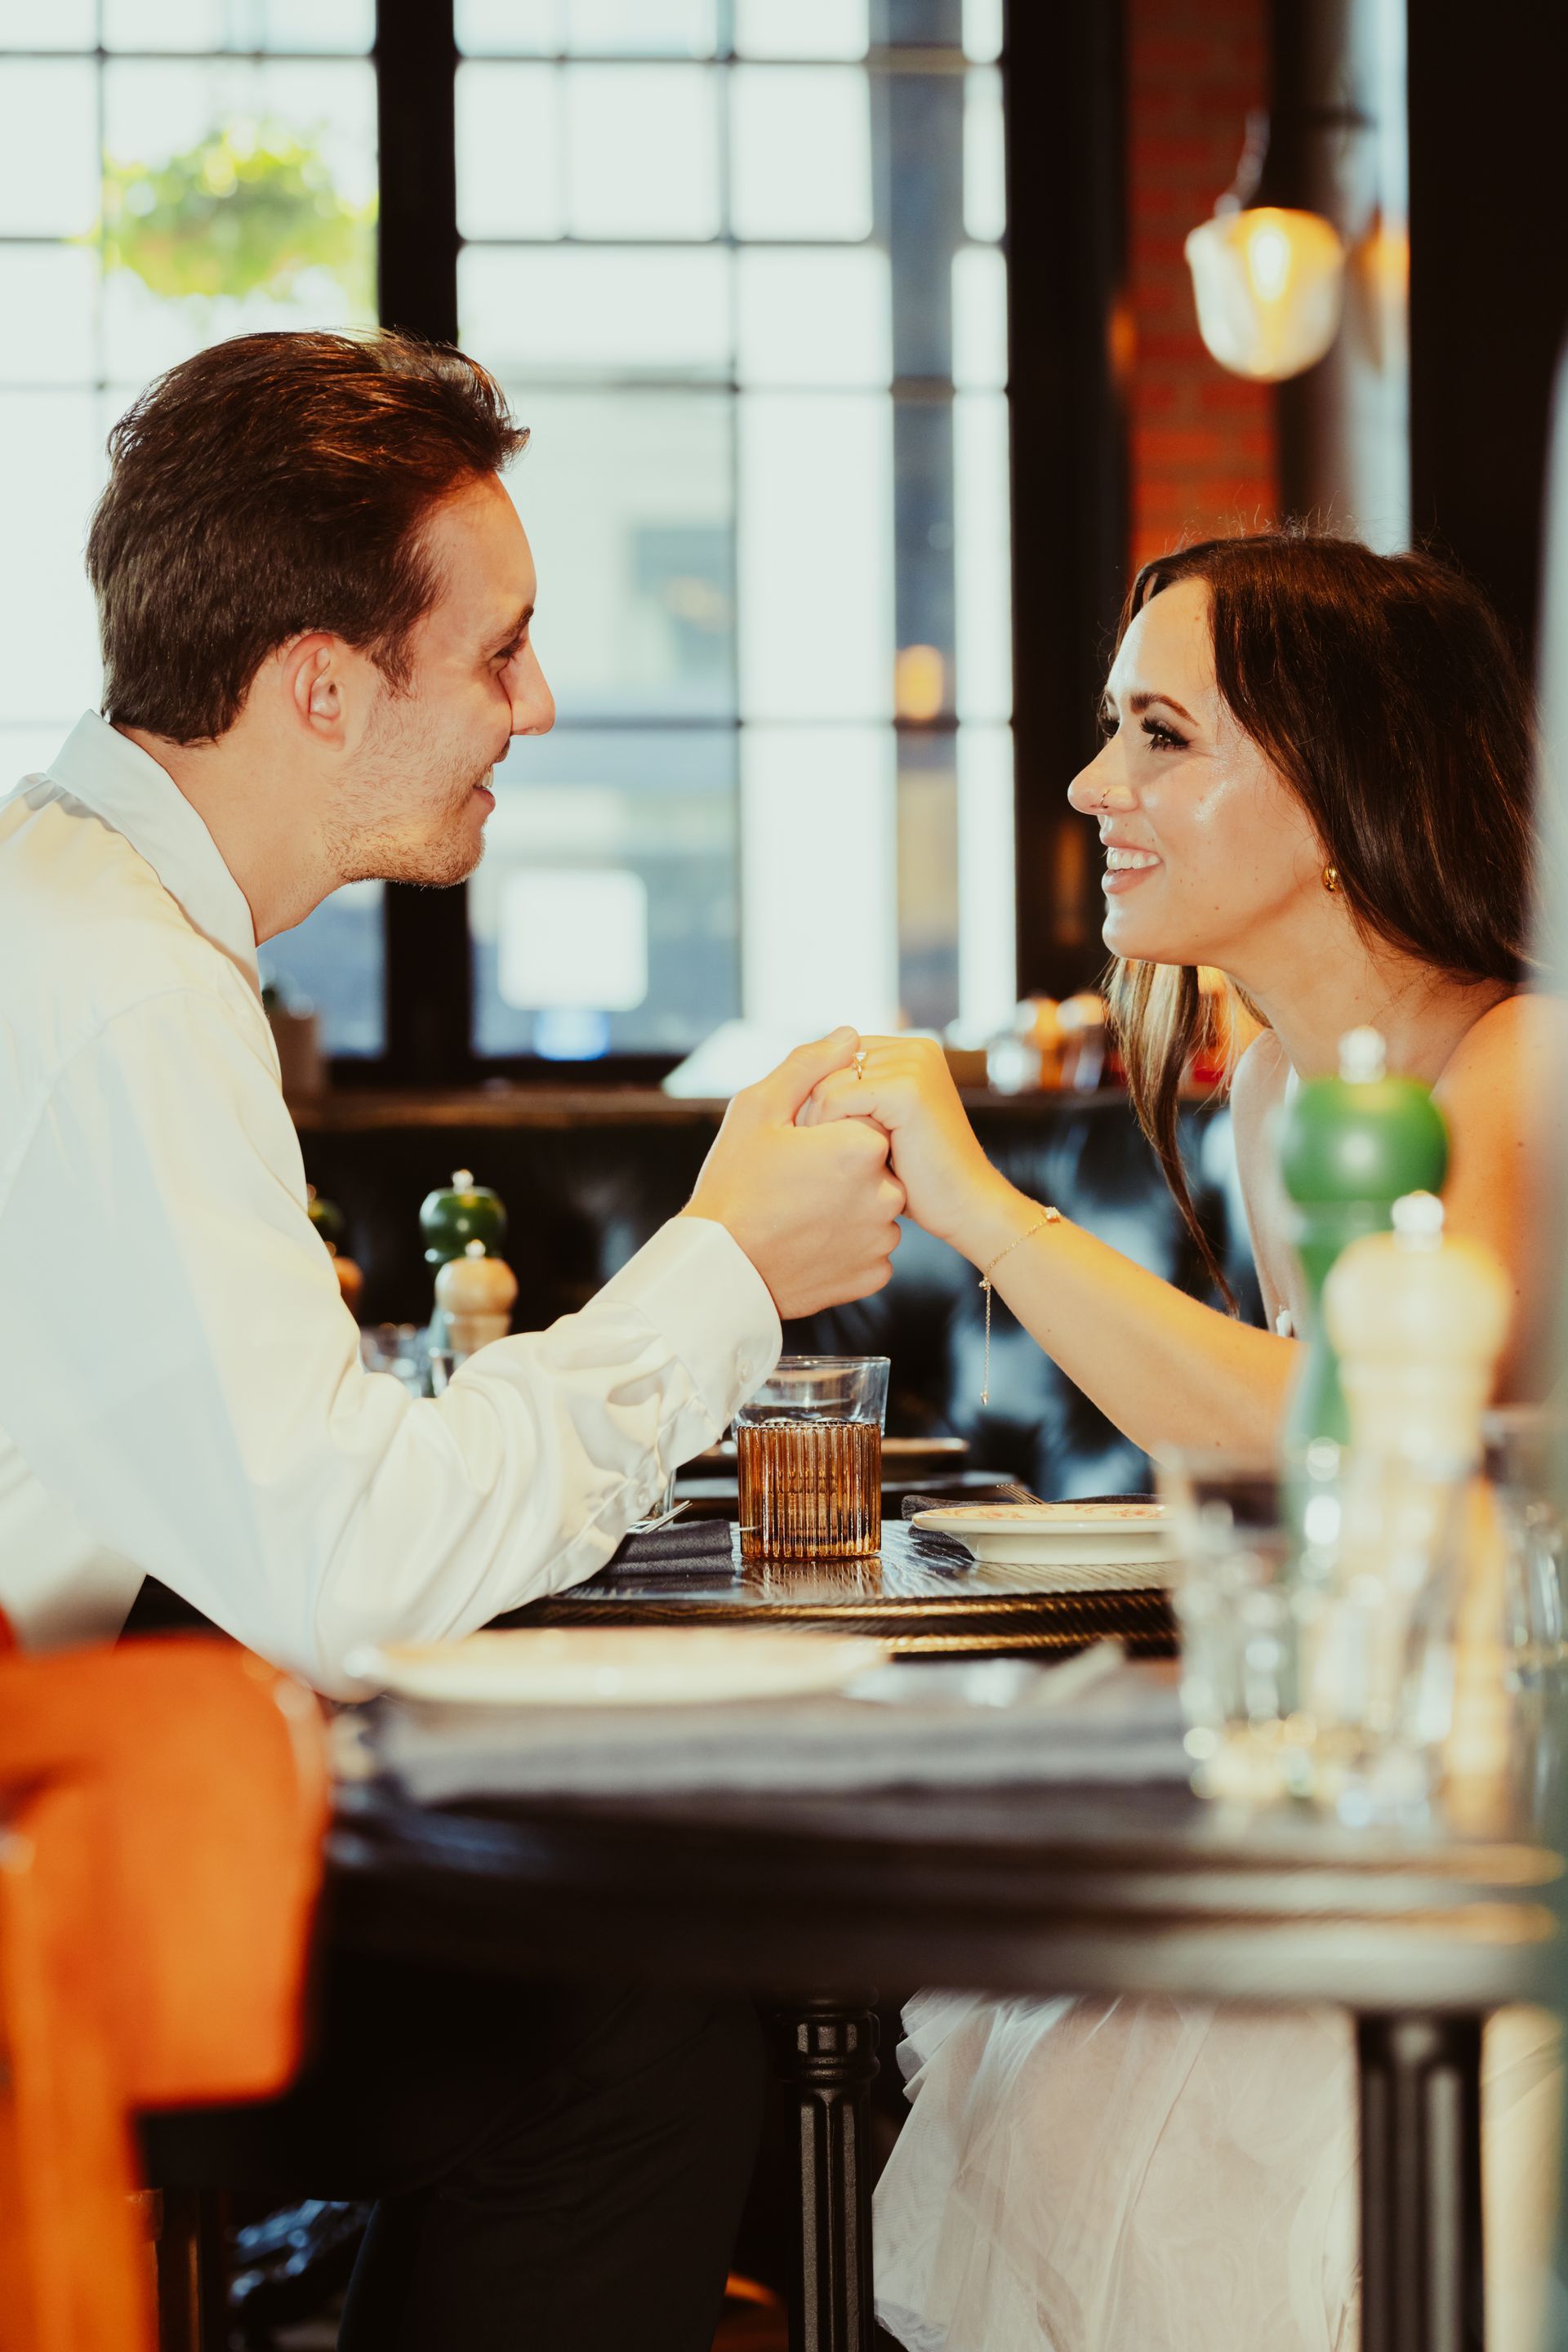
<point>315,603</point>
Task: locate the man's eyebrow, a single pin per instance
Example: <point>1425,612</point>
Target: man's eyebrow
<point>509,636</point>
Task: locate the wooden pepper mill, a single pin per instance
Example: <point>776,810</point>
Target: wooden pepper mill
<point>475,1294</point>
<point>1419,1320</point>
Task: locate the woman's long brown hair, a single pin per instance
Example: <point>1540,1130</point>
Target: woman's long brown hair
<point>1384,693</point>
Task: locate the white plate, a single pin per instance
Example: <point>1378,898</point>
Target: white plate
<point>592,1665</point>
<point>1134,1535</point>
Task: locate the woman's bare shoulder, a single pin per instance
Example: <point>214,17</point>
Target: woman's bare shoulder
<point>1515,1047</point>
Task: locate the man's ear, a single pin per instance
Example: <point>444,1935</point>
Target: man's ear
<point>312,680</point>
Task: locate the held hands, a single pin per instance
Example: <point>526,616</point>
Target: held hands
<point>816,1213</point>
<point>906,1086</point>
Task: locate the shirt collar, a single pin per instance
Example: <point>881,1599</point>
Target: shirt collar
<point>125,787</point>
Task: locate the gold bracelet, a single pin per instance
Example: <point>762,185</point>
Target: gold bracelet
<point>1047,1217</point>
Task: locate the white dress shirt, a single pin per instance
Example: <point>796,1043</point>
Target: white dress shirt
<point>180,1391</point>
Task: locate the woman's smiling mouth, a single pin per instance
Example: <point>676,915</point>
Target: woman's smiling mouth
<point>1125,868</point>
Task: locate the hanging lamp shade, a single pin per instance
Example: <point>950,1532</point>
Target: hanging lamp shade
<point>1270,286</point>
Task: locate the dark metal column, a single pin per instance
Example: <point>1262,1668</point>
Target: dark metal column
<point>429,975</point>
<point>1422,2287</point>
<point>1488,285</point>
<point>828,2050</point>
<point>1065,89</point>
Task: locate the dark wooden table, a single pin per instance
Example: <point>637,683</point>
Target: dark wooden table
<point>1042,1891</point>
<point>1134,1890</point>
<point>910,1596</point>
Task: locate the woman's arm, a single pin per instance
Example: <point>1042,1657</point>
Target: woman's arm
<point>1165,1369</point>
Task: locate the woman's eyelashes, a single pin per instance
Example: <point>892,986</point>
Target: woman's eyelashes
<point>1160,736</point>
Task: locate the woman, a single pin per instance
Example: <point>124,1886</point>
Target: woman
<point>1316,777</point>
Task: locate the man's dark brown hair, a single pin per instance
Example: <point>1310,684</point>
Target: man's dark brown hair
<point>272,485</point>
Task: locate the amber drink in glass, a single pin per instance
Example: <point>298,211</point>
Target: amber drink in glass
<point>808,1451</point>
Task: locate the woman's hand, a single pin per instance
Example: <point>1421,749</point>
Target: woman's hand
<point>906,1086</point>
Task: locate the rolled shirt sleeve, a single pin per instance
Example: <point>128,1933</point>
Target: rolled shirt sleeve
<point>181,1370</point>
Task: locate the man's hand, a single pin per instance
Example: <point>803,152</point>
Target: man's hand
<point>906,1086</point>
<point>813,1211</point>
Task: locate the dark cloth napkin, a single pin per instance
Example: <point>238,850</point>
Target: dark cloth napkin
<point>705,1544</point>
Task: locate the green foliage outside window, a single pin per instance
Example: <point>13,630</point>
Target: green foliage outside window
<point>253,209</point>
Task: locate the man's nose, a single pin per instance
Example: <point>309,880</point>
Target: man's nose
<point>532,704</point>
<point>1099,785</point>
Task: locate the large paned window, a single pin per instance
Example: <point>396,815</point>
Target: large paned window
<point>739,268</point>
<point>172,171</point>
<point>740,265</point>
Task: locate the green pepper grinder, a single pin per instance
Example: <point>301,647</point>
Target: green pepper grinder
<point>451,1219</point>
<point>1349,1148</point>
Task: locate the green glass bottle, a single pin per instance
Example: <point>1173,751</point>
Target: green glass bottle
<point>1349,1148</point>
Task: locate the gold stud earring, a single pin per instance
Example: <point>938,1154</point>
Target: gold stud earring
<point>1330,879</point>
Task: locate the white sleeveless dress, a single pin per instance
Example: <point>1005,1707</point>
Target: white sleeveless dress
<point>1151,2176</point>
<point>1156,2176</point>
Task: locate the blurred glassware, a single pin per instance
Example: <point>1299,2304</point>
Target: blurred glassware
<point>1082,1026</point>
<point>1524,1460</point>
<point>1236,1549</point>
<point>400,1349</point>
<point>1013,1064</point>
<point>1318,1610</point>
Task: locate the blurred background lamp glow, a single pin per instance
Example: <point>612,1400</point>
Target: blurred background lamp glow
<point>1269,284</point>
<point>568,937</point>
<point>919,683</point>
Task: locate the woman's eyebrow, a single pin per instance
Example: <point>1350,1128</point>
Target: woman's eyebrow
<point>1138,703</point>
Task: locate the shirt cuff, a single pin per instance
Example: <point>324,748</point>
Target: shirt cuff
<point>696,1284</point>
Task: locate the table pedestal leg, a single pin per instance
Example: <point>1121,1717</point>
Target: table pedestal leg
<point>1422,2286</point>
<point>828,2051</point>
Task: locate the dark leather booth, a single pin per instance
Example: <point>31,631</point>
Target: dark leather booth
<point>587,1178</point>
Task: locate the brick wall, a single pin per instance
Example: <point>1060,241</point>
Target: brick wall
<point>1202,446</point>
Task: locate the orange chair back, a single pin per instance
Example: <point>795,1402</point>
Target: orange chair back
<point>162,1807</point>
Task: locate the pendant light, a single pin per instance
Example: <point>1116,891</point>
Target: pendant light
<point>1268,275</point>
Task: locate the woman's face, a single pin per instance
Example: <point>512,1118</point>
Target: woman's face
<point>1207,848</point>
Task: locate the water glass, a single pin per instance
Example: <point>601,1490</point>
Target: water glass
<point>1526,1462</point>
<point>1235,1607</point>
<point>1318,1614</point>
<point>399,1348</point>
<point>809,1456</point>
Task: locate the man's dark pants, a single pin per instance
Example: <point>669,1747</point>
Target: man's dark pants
<point>556,2170</point>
